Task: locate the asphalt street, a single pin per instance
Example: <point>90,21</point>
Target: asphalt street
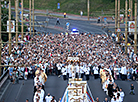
<point>56,86</point>
<point>81,25</point>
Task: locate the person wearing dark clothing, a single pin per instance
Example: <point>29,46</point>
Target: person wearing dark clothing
<point>110,89</point>
<point>58,21</point>
<point>106,100</point>
<point>97,100</point>
<point>132,89</point>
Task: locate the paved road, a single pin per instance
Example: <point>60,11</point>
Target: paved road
<point>82,26</point>
<point>56,86</point>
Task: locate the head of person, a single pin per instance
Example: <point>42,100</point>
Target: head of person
<point>27,100</point>
<point>106,99</point>
<point>97,99</point>
<point>48,94</point>
<point>120,89</point>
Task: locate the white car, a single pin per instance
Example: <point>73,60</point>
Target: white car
<point>74,32</point>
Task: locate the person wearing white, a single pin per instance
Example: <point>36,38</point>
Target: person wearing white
<point>113,99</point>
<point>124,72</point>
<point>48,98</point>
<point>59,66</point>
<point>96,73</point>
<point>87,72</point>
<point>122,94</point>
<point>64,72</point>
<point>77,71</point>
<point>82,71</point>
<point>67,71</point>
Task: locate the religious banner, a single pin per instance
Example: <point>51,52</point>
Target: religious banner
<point>12,26</point>
<point>131,26</point>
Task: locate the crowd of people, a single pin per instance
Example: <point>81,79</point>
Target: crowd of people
<point>49,52</point>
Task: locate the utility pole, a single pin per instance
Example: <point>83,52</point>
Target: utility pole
<point>135,34</point>
<point>115,16</point>
<point>22,18</point>
<point>33,15</point>
<point>118,35</point>
<point>30,14</point>
<point>16,10</point>
<point>0,38</point>
<point>88,9</point>
<point>9,26</point>
<point>126,6</point>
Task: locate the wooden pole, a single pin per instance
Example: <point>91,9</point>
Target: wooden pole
<point>115,16</point>
<point>9,26</point>
<point>22,19</point>
<point>30,14</point>
<point>16,10</point>
<point>126,6</point>
<point>0,38</point>
<point>33,15</point>
<point>88,9</point>
<point>131,7</point>
<point>118,35</point>
<point>135,34</point>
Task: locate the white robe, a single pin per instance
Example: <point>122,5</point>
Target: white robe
<point>48,98</point>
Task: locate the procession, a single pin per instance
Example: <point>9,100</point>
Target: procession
<point>69,58</point>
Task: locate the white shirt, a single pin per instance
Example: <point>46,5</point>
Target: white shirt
<point>59,66</point>
<point>87,70</point>
<point>48,98</point>
<point>112,100</point>
<point>67,69</point>
<point>81,70</point>
<point>95,70</point>
<point>122,95</point>
<point>123,70</point>
<point>77,69</point>
<point>64,72</point>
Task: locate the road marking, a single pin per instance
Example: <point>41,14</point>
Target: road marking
<point>5,90</point>
<point>137,81</point>
<point>19,92</point>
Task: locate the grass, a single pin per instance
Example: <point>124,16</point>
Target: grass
<point>74,6</point>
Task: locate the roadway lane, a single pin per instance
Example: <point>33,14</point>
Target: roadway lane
<point>56,86</point>
<point>82,26</point>
<point>19,92</point>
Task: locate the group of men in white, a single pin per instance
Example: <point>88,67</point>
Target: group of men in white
<point>74,70</point>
